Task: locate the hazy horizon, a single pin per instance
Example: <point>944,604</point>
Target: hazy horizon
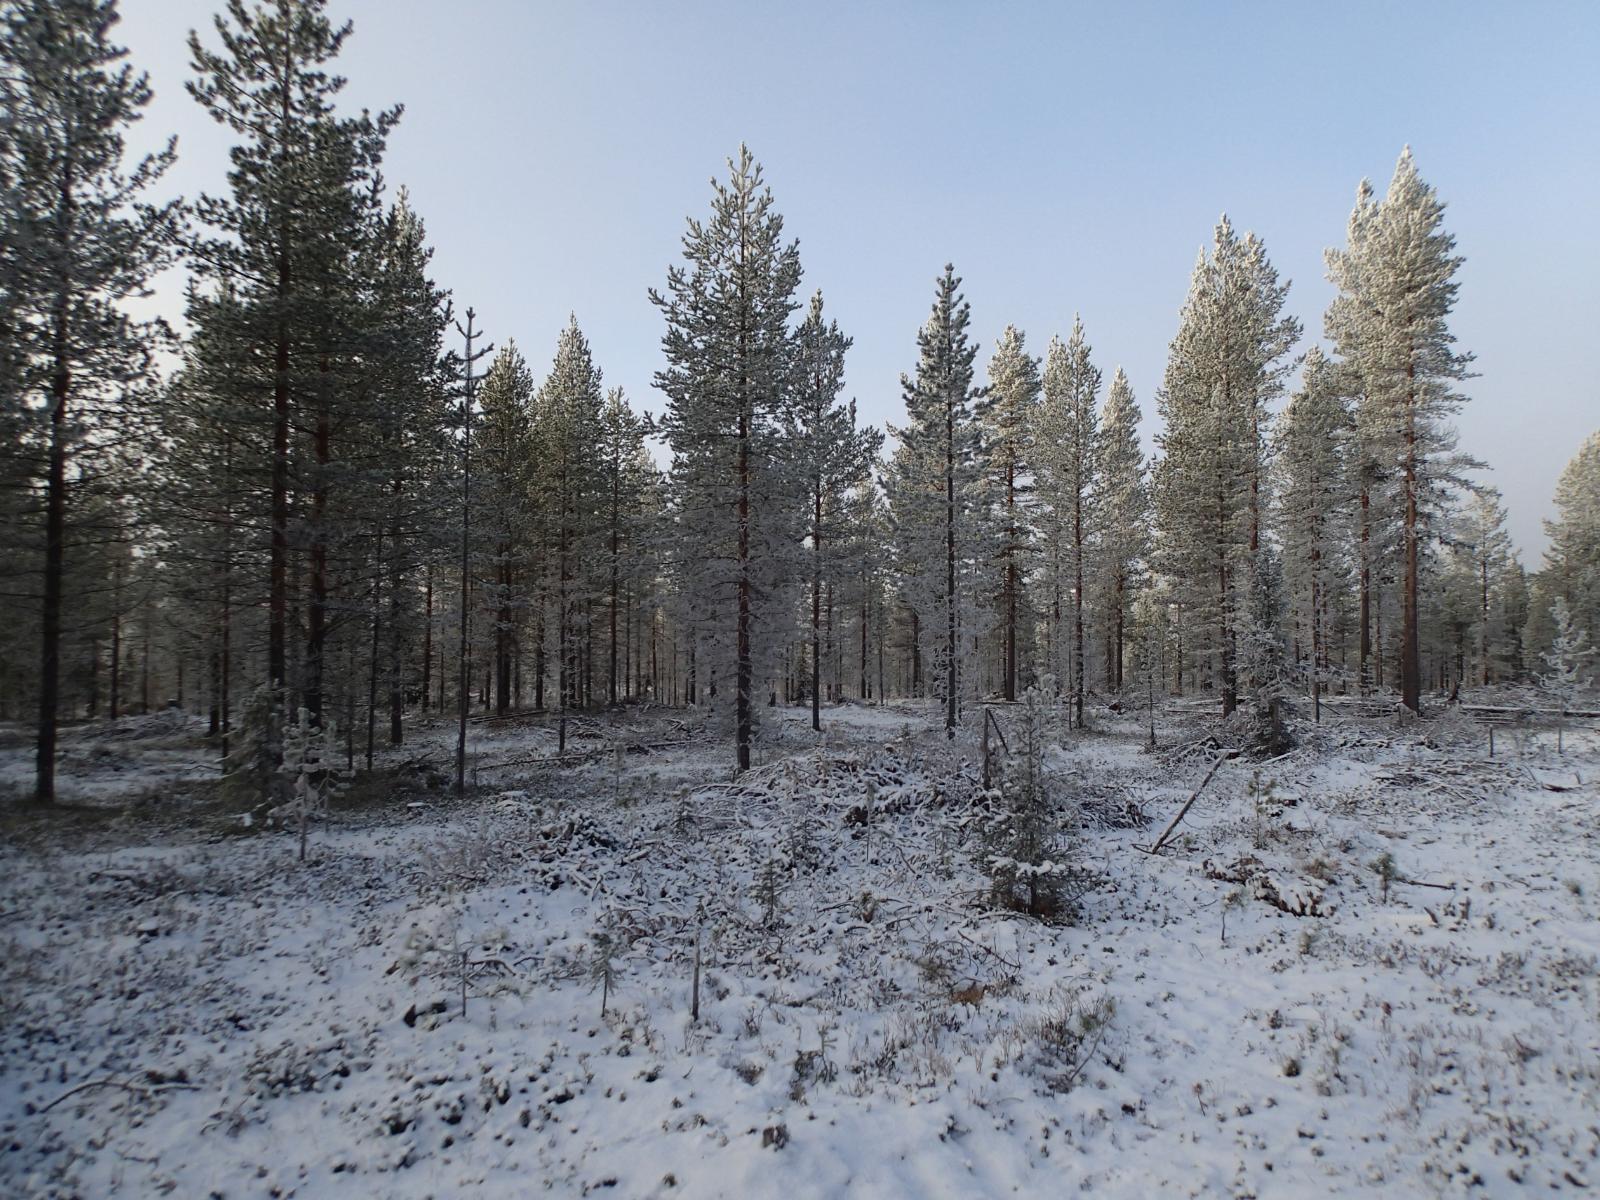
<point>1066,160</point>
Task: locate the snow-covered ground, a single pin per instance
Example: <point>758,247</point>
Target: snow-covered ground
<point>185,1009</point>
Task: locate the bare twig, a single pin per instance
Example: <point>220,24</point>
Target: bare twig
<point>141,1089</point>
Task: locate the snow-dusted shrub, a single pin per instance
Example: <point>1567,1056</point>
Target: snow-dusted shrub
<point>460,860</point>
<point>1062,1040</point>
<point>1453,729</point>
<point>438,952</point>
<point>1029,837</point>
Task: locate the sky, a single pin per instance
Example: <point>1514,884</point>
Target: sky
<point>1067,158</point>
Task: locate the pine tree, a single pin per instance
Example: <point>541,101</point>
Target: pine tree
<point>1351,328</point>
<point>1124,511</point>
<point>471,352</point>
<point>76,242</point>
<point>832,457</point>
<point>1006,416</point>
<point>1263,654</point>
<point>1314,437</point>
<point>1511,619</point>
<point>911,516</point>
<point>569,407</point>
<point>1566,662</point>
<point>1223,370</point>
<point>729,382</point>
<point>206,500</point>
<point>1452,609</point>
<point>409,374</point>
<point>1029,844</point>
<point>505,502</point>
<point>1487,541</point>
<point>301,211</point>
<point>1572,561</point>
<point>1397,287</point>
<point>1069,465</point>
<point>936,466</point>
<point>871,556</point>
<point>627,478</point>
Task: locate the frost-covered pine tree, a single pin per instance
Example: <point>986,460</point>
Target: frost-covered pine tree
<point>627,481</point>
<point>1029,844</point>
<point>1007,415</point>
<point>568,412</point>
<point>1223,370</point>
<point>936,467</point>
<point>832,457</point>
<point>1452,610</point>
<point>294,239</point>
<point>504,502</point>
<point>1315,503</point>
<point>729,381</point>
<point>1572,562</point>
<point>1069,459</point>
<point>1352,330</point>
<point>409,374</point>
<point>1486,541</point>
<point>1397,286</point>
<point>911,519</point>
<point>77,240</point>
<point>1124,518</point>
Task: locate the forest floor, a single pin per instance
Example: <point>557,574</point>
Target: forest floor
<point>1261,1009</point>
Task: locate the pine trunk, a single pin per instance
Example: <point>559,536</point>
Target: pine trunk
<point>1410,642</point>
<point>55,553</point>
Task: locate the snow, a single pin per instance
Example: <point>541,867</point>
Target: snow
<point>288,1030</point>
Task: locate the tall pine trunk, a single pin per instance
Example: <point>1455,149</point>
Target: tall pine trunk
<point>744,717</point>
<point>816,605</point>
<point>317,610</point>
<point>278,551</point>
<point>951,649</point>
<point>1077,608</point>
<point>1364,667</point>
<point>55,547</point>
<point>1011,585</point>
<point>1410,640</point>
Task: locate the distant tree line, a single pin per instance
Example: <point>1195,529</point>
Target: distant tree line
<point>274,523</point>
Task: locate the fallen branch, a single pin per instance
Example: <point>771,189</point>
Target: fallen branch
<point>1189,803</point>
<point>572,758</point>
<point>1443,887</point>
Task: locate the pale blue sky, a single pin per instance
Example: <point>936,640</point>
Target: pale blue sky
<point>1066,157</point>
